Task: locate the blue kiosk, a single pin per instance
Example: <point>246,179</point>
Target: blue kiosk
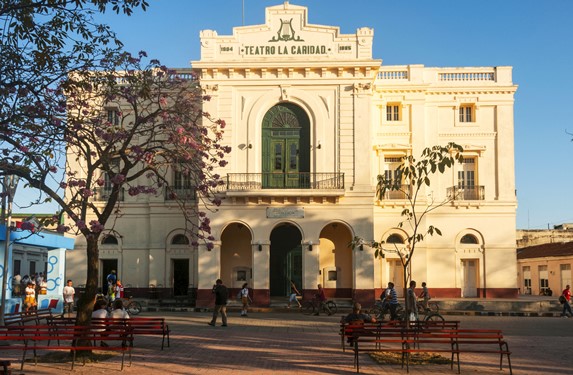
<point>56,245</point>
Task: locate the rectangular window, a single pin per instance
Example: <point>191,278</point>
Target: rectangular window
<point>565,275</point>
<point>543,279</point>
<point>108,185</point>
<point>392,112</point>
<point>32,268</point>
<point>526,280</point>
<point>466,177</point>
<point>181,180</point>
<point>17,266</point>
<point>113,116</point>
<point>466,113</point>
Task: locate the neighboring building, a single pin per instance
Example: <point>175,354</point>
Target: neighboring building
<point>543,267</point>
<point>532,237</point>
<point>27,251</point>
<point>312,119</point>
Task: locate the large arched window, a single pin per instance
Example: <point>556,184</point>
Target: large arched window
<point>395,238</point>
<point>109,240</point>
<point>180,239</point>
<point>469,239</point>
<point>286,147</point>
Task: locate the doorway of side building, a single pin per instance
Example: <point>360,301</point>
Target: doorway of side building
<point>285,260</point>
<point>396,275</point>
<point>106,266</point>
<point>180,276</point>
<point>470,278</point>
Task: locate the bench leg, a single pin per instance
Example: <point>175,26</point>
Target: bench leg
<point>356,363</point>
<point>23,359</point>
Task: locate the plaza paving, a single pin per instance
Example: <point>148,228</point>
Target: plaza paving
<point>286,343</point>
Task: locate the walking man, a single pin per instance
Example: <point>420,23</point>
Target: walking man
<point>221,296</point>
<point>566,306</point>
<point>412,301</point>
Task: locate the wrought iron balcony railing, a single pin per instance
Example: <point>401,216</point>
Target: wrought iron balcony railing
<point>300,180</point>
<point>103,193</point>
<point>398,194</point>
<point>466,193</point>
<point>180,193</point>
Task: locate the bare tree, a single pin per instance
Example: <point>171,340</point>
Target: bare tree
<point>410,180</point>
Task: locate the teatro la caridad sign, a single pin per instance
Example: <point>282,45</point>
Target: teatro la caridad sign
<point>286,33</point>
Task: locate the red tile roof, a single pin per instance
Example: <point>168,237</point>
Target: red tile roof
<point>546,250</point>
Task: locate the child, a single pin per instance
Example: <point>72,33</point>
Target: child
<point>293,293</point>
<point>30,299</point>
<point>118,289</point>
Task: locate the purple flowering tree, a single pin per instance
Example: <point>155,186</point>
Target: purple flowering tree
<point>85,124</point>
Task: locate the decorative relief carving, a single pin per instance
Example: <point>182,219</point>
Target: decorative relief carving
<point>362,88</point>
<point>210,89</point>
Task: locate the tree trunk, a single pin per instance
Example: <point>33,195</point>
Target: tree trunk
<point>86,301</point>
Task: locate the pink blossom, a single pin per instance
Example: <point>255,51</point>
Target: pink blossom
<point>81,224</point>
<point>86,193</point>
<point>26,225</point>
<point>53,169</point>
<point>63,185</point>
<point>118,179</point>
<point>62,228</point>
<point>96,227</point>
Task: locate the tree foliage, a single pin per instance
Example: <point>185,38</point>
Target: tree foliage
<point>85,123</point>
<point>410,179</point>
<point>41,42</point>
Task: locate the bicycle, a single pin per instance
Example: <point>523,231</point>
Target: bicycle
<point>132,307</point>
<point>431,313</point>
<point>312,307</point>
<point>381,311</point>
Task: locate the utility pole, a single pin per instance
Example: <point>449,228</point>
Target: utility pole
<point>9,189</point>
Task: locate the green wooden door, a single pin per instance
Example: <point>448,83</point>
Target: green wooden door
<point>283,163</point>
<point>286,145</point>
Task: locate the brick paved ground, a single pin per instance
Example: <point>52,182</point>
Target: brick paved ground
<point>287,343</point>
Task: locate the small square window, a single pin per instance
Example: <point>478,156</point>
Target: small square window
<point>467,113</point>
<point>241,275</point>
<point>393,112</point>
<point>113,116</point>
<point>332,275</point>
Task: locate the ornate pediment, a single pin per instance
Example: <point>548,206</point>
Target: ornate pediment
<point>286,34</point>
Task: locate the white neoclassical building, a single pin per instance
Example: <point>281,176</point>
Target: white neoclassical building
<point>313,119</point>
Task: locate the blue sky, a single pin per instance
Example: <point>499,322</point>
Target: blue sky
<point>535,37</point>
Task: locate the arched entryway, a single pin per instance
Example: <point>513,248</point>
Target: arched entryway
<point>286,147</point>
<point>236,256</point>
<point>285,259</point>
<point>335,260</point>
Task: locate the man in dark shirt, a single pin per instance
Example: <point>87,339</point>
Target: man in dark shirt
<point>392,299</point>
<point>357,316</point>
<point>321,298</point>
<point>221,296</point>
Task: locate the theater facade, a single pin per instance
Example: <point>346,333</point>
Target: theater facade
<point>313,119</point>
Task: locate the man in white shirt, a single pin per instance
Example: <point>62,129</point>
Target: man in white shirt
<point>69,293</point>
